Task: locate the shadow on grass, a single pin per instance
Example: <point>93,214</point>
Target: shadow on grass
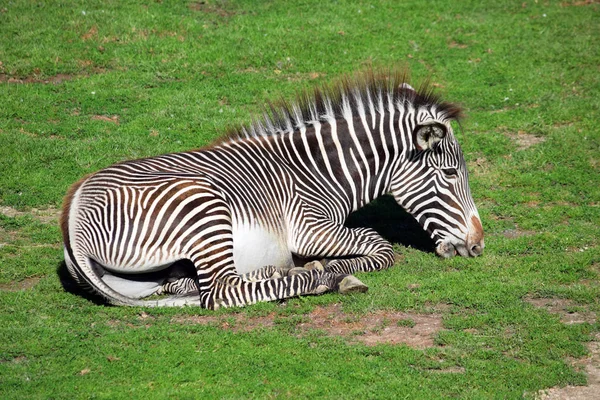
<point>70,285</point>
<point>393,223</point>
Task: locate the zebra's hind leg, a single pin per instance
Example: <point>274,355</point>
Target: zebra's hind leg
<point>181,286</point>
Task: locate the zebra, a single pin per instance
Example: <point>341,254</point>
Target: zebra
<point>247,211</point>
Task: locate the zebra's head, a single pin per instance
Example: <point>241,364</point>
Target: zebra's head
<point>433,186</point>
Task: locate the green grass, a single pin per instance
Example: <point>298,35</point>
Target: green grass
<point>144,79</point>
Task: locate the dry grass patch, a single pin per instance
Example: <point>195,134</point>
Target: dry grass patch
<point>565,309</point>
<point>379,327</point>
<point>54,79</point>
<point>525,140</point>
<point>578,3</point>
<point>16,360</point>
<point>479,167</point>
<point>49,215</point>
<point>25,284</point>
<point>208,8</point>
<point>591,366</point>
<point>449,370</point>
<point>517,233</point>
<point>235,323</point>
<point>113,118</point>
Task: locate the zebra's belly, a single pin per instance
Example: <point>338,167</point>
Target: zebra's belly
<point>255,247</point>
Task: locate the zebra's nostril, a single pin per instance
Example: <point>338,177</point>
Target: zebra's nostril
<point>476,250</point>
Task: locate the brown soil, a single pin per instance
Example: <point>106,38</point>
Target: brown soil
<point>54,79</point>
<point>479,167</point>
<point>235,323</point>
<point>379,327</point>
<point>376,327</point>
<point>516,233</point>
<point>207,8</point>
<point>591,365</point>
<point>525,140</point>
<point>16,360</point>
<point>25,284</point>
<point>578,3</point>
<point>113,118</point>
<point>563,308</point>
<point>50,215</point>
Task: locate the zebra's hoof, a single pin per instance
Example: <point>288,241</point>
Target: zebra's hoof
<point>296,271</point>
<point>350,284</point>
<point>321,289</point>
<point>314,265</point>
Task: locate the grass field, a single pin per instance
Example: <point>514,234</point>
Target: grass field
<point>89,83</point>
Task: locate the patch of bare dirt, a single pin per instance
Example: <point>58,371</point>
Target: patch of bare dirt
<point>54,79</point>
<point>480,166</point>
<point>235,323</point>
<point>379,327</point>
<point>569,312</point>
<point>591,366</point>
<point>453,44</point>
<point>16,360</point>
<point>113,118</point>
<point>579,3</point>
<point>35,135</point>
<point>92,33</point>
<point>206,8</point>
<point>525,140</point>
<point>299,77</point>
<point>449,370</point>
<point>25,284</point>
<point>517,233</point>
<point>50,215</point>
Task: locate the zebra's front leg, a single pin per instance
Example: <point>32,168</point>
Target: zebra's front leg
<point>352,249</point>
<point>235,291</point>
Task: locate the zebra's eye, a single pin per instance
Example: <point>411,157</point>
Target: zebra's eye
<point>450,172</point>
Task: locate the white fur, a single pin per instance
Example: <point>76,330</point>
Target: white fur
<point>255,247</point>
<point>131,288</point>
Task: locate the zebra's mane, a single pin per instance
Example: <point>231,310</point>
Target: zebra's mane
<point>354,93</point>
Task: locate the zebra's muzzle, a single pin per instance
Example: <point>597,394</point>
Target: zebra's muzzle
<point>449,249</point>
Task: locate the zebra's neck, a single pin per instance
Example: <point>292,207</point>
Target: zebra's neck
<point>351,158</point>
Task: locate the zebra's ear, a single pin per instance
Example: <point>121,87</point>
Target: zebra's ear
<point>429,133</point>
